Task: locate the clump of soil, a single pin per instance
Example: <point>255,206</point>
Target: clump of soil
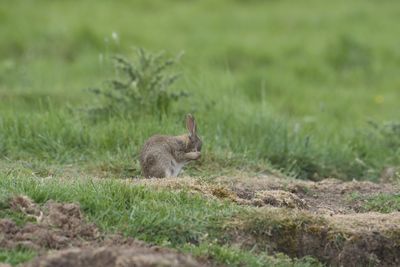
<point>24,204</point>
<point>58,225</point>
<point>62,227</point>
<point>278,198</point>
<point>114,256</point>
<point>329,196</point>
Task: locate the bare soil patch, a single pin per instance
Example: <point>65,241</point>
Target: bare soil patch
<point>114,256</point>
<point>321,219</point>
<point>301,218</point>
<point>329,196</point>
<point>57,226</point>
<point>62,237</point>
<point>369,239</point>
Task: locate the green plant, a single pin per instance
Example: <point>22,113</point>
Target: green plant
<point>140,87</point>
<point>16,256</point>
<point>299,104</point>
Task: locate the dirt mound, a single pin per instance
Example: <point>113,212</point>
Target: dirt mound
<point>370,239</point>
<point>301,218</point>
<point>216,191</point>
<point>367,222</point>
<point>321,219</point>
<point>61,226</point>
<point>58,225</point>
<point>329,196</point>
<point>367,239</point>
<point>114,256</point>
<point>278,198</point>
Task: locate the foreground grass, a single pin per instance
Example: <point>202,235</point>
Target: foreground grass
<point>384,203</point>
<point>297,99</point>
<point>175,219</point>
<point>16,256</point>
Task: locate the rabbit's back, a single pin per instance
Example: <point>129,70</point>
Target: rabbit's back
<point>158,157</point>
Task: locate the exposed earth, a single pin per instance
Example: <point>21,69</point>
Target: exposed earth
<point>63,238</point>
<point>301,218</point>
<point>329,196</point>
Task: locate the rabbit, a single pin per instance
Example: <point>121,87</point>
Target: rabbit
<point>164,156</point>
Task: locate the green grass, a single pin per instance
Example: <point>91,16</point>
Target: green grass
<point>188,222</point>
<point>288,85</point>
<point>384,203</point>
<point>7,213</point>
<point>16,256</point>
<point>17,217</point>
<point>155,216</point>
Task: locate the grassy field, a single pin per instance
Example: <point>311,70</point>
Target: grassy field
<point>306,89</point>
<point>312,91</point>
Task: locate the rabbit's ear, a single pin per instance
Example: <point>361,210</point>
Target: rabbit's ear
<point>191,124</point>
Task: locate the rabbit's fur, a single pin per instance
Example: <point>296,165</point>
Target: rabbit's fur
<point>164,156</point>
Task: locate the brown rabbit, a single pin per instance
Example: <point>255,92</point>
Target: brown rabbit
<point>164,156</point>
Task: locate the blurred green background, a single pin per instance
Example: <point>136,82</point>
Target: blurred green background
<point>310,88</point>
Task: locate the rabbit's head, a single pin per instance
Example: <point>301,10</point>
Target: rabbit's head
<point>195,142</point>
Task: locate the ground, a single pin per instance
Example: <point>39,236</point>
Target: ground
<point>323,219</point>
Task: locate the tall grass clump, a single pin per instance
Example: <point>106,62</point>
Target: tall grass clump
<point>347,54</point>
<point>142,86</point>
